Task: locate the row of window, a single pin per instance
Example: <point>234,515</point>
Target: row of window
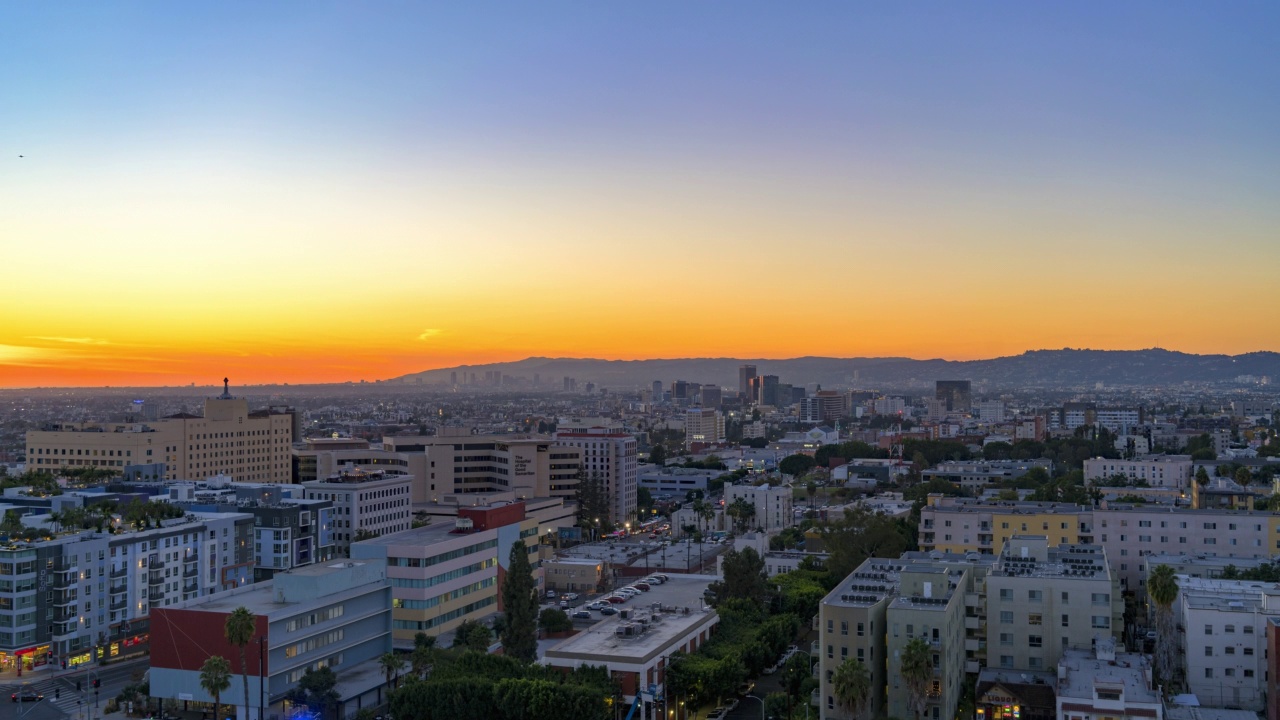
<point>1035,596</point>
<point>1099,622</point>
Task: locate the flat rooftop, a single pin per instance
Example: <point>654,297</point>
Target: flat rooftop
<point>1084,672</point>
<point>682,609</point>
<point>260,598</point>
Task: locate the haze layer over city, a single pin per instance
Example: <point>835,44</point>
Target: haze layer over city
<point>651,361</point>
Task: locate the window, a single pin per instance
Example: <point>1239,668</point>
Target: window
<point>1006,594</point>
<point>1248,651</point>
<point>1101,598</point>
<point>860,630</point>
<point>1229,672</point>
<point>1066,620</point>
<point>1248,673</point>
<point>1101,622</point>
<point>831,652</point>
<point>1006,617</point>
<point>1208,673</point>
<point>831,626</point>
<point>1208,651</point>
<point>1065,597</point>
<point>844,627</point>
<point>1034,596</point>
<point>1006,661</point>
<point>1033,619</point>
<point>1208,629</point>
<point>1035,641</point>
<point>1006,638</point>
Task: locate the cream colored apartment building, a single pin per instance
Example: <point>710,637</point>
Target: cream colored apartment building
<point>229,439</point>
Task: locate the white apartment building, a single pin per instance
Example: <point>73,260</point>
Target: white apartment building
<point>890,406</point>
<point>374,502</point>
<point>1101,684</point>
<point>608,452</point>
<point>773,504</point>
<point>1225,639</point>
<point>1167,471</point>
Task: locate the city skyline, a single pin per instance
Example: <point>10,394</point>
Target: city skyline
<point>324,193</point>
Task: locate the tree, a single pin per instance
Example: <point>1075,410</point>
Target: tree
<point>239,630</point>
<point>811,489</point>
<point>742,511</point>
<point>391,665</point>
<point>1202,477</point>
<point>644,502</point>
<point>796,465</point>
<point>520,598</point>
<point>553,620</point>
<point>472,635</point>
<point>744,577</point>
<point>215,678</point>
<point>1162,588</point>
<point>797,670</point>
<point>916,670</point>
<point>851,683</point>
<point>658,455</point>
<point>1243,477</point>
<point>316,690</point>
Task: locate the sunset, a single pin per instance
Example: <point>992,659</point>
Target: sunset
<point>327,192</point>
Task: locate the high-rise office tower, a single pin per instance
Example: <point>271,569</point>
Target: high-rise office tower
<point>745,374</point>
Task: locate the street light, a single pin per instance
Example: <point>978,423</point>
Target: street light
<point>761,700</point>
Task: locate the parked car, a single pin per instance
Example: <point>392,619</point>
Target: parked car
<point>608,611</point>
<point>718,713</point>
<point>571,596</point>
<point>770,670</point>
<point>596,605</point>
<point>616,599</point>
<point>582,614</point>
<point>732,704</point>
<point>661,577</point>
<point>644,587</point>
<point>746,688</point>
<point>551,594</point>
<point>26,696</point>
<point>653,580</point>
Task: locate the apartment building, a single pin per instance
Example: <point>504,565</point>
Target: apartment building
<point>773,504</point>
<point>880,607</point>
<point>457,462</point>
<point>1224,638</point>
<point>89,595</point>
<point>333,615</point>
<point>1128,534</point>
<point>990,411</point>
<point>978,474</point>
<point>608,452</point>
<point>443,574</point>
<point>1042,600</point>
<point>370,502</point>
<point>1162,471</point>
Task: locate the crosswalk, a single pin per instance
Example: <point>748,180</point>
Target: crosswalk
<point>56,691</point>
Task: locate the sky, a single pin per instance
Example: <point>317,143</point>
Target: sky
<point>312,191</point>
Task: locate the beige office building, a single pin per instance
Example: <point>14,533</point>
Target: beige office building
<point>457,462</point>
<point>229,439</point>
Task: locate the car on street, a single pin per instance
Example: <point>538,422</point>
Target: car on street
<point>746,688</point>
<point>770,670</point>
<point>718,713</point>
<point>644,587</point>
<point>596,605</point>
<point>608,611</point>
<point>582,614</point>
<point>26,696</point>
<point>616,599</point>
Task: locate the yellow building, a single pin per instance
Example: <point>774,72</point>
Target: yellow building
<point>229,439</point>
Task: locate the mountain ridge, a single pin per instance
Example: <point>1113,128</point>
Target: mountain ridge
<point>1060,367</point>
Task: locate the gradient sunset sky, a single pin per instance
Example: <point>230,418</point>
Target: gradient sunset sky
<point>309,191</point>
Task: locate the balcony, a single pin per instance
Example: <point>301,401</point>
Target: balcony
<point>155,562</point>
<point>119,604</point>
<point>63,599</point>
<point>191,572</point>
<point>815,650</point>
<point>65,617</point>
<point>973,622</point>
<point>119,573</point>
<point>156,578</point>
<point>119,589</point>
<point>191,587</point>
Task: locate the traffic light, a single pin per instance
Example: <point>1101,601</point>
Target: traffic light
<point>64,664</point>
<point>78,688</point>
<point>57,693</point>
<point>96,683</point>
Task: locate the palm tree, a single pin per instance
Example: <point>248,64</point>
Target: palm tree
<point>215,678</point>
<point>1162,588</point>
<point>239,630</point>
<point>55,519</point>
<point>915,666</point>
<point>852,685</point>
<point>391,664</point>
<point>811,487</point>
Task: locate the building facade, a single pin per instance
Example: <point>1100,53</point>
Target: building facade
<point>372,503</point>
<point>609,453</point>
<point>228,439</point>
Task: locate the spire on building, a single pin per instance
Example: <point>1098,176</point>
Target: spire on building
<point>226,390</point>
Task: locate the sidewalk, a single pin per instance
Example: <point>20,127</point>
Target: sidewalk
<point>51,672</point>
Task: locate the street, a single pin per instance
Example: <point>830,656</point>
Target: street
<point>60,697</point>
